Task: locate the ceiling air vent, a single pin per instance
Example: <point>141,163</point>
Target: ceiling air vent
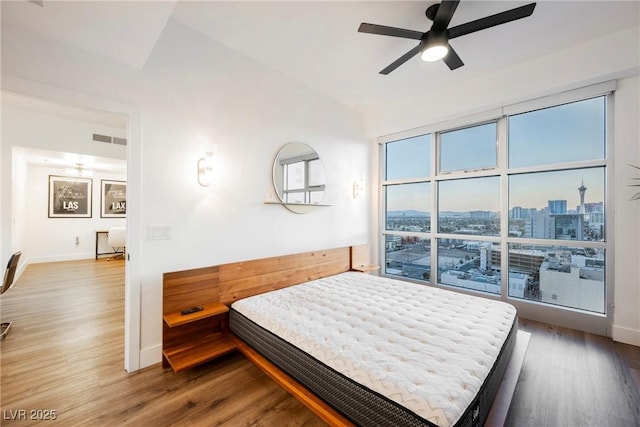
<point>109,139</point>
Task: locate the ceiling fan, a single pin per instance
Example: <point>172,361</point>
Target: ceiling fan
<point>434,44</point>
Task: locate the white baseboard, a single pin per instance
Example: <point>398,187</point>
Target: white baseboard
<point>22,266</point>
<point>626,335</point>
<point>150,356</point>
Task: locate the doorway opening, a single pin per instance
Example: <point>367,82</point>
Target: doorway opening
<point>53,139</point>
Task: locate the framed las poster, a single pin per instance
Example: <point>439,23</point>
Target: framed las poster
<point>114,199</point>
<point>70,197</point>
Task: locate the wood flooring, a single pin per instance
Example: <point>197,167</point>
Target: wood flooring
<point>571,378</point>
<point>63,359</point>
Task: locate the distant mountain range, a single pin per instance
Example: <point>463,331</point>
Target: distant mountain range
<point>408,213</point>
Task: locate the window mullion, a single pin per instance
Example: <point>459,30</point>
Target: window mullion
<point>382,211</point>
<point>609,201</point>
<point>435,164</point>
<point>503,158</point>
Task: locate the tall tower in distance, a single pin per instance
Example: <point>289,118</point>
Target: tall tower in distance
<point>582,189</point>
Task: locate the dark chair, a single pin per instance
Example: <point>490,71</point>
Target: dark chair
<point>9,275</point>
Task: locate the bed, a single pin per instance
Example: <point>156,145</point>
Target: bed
<point>342,384</point>
<point>382,351</point>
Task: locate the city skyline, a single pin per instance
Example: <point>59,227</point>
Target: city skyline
<point>484,194</point>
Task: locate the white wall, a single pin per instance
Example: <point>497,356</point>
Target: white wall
<point>194,94</point>
<point>214,97</point>
<point>19,227</point>
<point>626,324</point>
<point>54,239</point>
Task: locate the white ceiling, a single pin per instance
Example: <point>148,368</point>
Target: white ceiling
<point>63,160</point>
<point>67,161</point>
<point>38,105</point>
<point>317,43</point>
<point>125,31</point>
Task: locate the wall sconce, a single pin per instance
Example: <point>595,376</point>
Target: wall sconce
<point>205,170</point>
<point>358,188</point>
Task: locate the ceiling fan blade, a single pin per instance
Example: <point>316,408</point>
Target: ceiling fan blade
<point>491,21</point>
<point>404,58</point>
<point>452,59</point>
<point>444,15</point>
<point>389,31</point>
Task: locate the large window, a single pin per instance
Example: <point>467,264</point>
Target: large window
<point>469,206</point>
<point>408,207</point>
<point>560,275</point>
<point>470,264</point>
<point>408,256</point>
<point>518,202</point>
<point>564,133</point>
<point>563,205</point>
<point>469,148</point>
<point>408,158</point>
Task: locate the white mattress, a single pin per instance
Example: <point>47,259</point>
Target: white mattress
<point>427,349</point>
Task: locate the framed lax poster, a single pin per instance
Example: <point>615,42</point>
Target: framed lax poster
<point>70,197</point>
<point>113,199</point>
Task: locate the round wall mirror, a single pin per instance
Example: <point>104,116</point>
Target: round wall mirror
<point>298,177</point>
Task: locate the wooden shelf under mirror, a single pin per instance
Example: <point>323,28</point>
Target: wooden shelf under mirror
<point>299,208</point>
<point>295,204</point>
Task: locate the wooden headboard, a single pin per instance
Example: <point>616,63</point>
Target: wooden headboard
<point>242,279</point>
<point>227,283</point>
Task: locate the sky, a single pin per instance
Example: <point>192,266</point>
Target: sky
<point>570,132</point>
<point>561,135</point>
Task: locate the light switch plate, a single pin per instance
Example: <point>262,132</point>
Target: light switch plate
<point>159,232</point>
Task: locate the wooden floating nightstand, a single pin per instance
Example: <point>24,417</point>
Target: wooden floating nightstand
<point>202,336</point>
<point>360,259</point>
<point>176,318</point>
<point>191,339</point>
<point>365,268</point>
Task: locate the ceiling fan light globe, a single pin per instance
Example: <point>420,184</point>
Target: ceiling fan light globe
<point>434,53</point>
